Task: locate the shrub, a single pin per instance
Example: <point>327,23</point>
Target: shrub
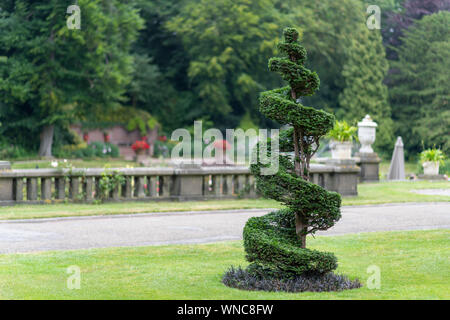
<point>241,279</point>
<point>276,243</point>
<point>274,249</point>
<point>109,182</point>
<point>10,151</point>
<point>342,131</point>
<point>432,155</point>
<point>68,151</point>
<point>99,150</point>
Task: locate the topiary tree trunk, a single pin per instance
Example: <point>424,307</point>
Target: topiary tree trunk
<point>276,243</point>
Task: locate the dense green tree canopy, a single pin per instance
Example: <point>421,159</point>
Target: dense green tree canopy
<point>226,42</point>
<point>365,92</point>
<point>398,20</point>
<point>327,31</point>
<point>54,74</point>
<point>166,63</point>
<point>420,91</point>
<point>187,60</point>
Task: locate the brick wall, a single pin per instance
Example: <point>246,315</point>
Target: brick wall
<point>120,137</point>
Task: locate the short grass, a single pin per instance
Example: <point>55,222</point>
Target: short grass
<point>78,163</point>
<point>413,265</point>
<point>410,168</point>
<point>370,193</point>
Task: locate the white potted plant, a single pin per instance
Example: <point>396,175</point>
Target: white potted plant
<point>430,159</point>
<point>342,136</point>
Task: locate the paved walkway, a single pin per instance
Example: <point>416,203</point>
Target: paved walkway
<point>197,227</point>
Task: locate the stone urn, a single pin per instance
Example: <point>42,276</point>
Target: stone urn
<point>366,134</point>
<point>431,168</point>
<point>341,150</point>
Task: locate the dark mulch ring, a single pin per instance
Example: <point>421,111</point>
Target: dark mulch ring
<point>241,279</point>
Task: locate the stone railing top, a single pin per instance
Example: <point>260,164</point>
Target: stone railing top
<point>144,171</point>
<point>158,171</point>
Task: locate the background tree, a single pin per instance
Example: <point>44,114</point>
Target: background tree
<point>365,92</point>
<point>161,53</point>
<point>226,82</point>
<point>207,55</point>
<point>226,41</point>
<point>398,21</point>
<point>276,243</point>
<point>53,74</point>
<point>328,30</point>
<point>420,91</point>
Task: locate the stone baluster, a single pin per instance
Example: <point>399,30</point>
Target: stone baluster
<point>88,188</point>
<point>31,189</point>
<point>152,186</point>
<point>18,189</point>
<point>74,188</point>
<point>315,178</point>
<point>139,191</point>
<point>115,193</point>
<point>229,185</point>
<point>60,187</point>
<point>166,185</point>
<point>252,186</point>
<point>218,185</point>
<point>127,191</point>
<point>207,188</point>
<point>98,190</point>
<point>241,184</point>
<point>46,188</point>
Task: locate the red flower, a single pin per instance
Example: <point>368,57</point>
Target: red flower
<point>140,145</point>
<point>222,144</point>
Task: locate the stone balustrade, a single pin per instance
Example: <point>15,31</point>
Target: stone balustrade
<point>34,186</point>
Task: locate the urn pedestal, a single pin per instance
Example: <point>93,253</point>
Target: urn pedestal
<point>141,156</point>
<point>368,160</point>
<point>6,184</point>
<point>370,166</point>
<point>344,177</point>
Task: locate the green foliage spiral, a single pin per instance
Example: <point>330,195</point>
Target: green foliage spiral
<point>276,243</point>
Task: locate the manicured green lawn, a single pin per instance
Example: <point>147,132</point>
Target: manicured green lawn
<point>399,191</point>
<point>414,265</point>
<point>410,168</point>
<point>371,193</point>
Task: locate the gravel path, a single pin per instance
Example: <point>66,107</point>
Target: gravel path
<point>197,227</point>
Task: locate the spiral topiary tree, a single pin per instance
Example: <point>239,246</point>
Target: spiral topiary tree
<point>276,243</point>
